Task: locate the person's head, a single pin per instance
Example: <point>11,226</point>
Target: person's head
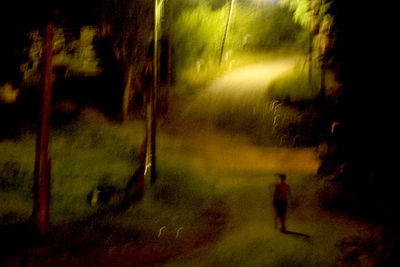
<point>282,177</point>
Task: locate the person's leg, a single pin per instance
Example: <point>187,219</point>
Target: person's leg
<point>283,216</point>
<point>283,223</point>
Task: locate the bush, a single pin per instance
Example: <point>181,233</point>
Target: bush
<point>294,87</point>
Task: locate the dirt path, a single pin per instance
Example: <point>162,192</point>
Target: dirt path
<point>244,175</point>
<point>240,89</point>
<point>255,77</point>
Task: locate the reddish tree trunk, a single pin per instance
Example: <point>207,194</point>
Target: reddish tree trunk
<point>41,185</point>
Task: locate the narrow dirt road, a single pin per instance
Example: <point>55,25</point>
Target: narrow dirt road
<point>239,89</point>
<point>251,79</point>
<point>244,175</point>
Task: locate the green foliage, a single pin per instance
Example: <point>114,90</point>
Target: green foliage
<point>197,34</point>
<point>215,4</point>
<point>294,86</point>
<point>199,29</point>
<point>75,53</point>
<point>304,10</point>
<point>79,55</point>
<point>266,28</point>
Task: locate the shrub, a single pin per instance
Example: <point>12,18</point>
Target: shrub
<point>294,87</point>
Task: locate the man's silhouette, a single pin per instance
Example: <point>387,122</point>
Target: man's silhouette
<point>281,194</point>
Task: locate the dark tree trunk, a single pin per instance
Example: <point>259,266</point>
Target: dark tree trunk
<point>41,183</point>
<point>127,93</point>
<point>310,44</point>
<point>226,31</point>
<point>134,189</point>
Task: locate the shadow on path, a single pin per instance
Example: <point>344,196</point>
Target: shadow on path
<point>307,237</point>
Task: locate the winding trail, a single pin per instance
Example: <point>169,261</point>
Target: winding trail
<point>243,174</point>
<point>251,79</point>
<point>239,89</point>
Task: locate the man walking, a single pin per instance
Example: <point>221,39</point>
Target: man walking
<point>281,194</point>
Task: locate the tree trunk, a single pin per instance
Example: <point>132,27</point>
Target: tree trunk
<point>153,123</point>
<point>127,94</point>
<point>323,33</point>
<point>152,100</point>
<point>134,189</point>
<point>41,184</point>
<point>170,63</point>
<point>310,45</point>
<point>310,51</point>
<point>226,31</point>
<point>170,57</point>
<point>151,135</point>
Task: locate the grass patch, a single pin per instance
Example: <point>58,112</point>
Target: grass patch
<point>90,152</point>
<point>85,154</point>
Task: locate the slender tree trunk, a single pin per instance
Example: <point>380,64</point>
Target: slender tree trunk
<point>153,127</point>
<point>41,184</point>
<point>170,56</point>
<point>226,31</point>
<point>134,189</point>
<point>151,124</point>
<point>152,101</point>
<point>323,43</point>
<point>170,44</point>
<point>127,93</point>
<point>310,45</point>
